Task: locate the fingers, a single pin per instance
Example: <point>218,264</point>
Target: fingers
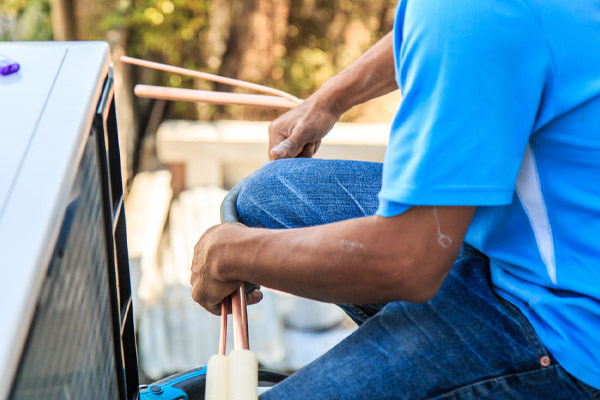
<point>317,145</point>
<point>286,149</point>
<point>308,150</point>
<point>254,297</point>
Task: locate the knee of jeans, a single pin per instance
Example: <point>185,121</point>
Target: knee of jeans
<point>259,194</point>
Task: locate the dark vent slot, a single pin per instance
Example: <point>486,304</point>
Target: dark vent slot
<point>69,353</point>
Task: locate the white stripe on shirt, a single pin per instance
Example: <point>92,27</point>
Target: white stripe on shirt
<point>529,191</point>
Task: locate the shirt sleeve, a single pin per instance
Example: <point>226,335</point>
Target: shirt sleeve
<point>472,76</point>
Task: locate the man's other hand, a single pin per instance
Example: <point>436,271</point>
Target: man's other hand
<point>210,281</point>
<point>298,132</point>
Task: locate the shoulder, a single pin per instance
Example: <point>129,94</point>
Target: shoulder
<point>469,34</point>
<point>473,19</point>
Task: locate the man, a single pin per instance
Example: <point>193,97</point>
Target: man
<point>497,144</point>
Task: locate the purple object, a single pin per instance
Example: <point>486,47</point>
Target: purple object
<point>8,66</point>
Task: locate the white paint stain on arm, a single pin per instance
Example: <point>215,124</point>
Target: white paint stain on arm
<point>347,248</point>
<point>351,246</point>
<point>444,240</point>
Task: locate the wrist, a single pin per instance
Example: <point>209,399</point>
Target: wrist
<point>332,96</point>
<point>238,253</point>
<point>226,253</point>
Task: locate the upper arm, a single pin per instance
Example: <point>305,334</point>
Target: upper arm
<point>472,76</point>
<point>421,246</point>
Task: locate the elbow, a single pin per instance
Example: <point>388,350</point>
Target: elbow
<point>427,282</point>
<point>423,292</point>
<point>418,282</point>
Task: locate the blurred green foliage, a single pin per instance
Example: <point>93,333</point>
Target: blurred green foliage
<point>25,20</point>
<point>310,41</point>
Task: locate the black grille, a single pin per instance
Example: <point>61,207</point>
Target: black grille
<point>70,349</point>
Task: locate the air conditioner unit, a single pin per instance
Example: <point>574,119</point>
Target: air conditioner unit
<point>67,322</point>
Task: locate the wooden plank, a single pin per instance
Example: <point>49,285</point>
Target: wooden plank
<point>146,209</point>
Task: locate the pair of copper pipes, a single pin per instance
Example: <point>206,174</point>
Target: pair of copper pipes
<point>239,315</point>
<point>275,99</point>
<point>216,385</point>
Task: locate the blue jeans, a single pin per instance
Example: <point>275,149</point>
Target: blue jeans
<point>466,343</point>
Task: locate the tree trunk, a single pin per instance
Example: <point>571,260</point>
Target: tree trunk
<point>240,38</point>
<point>215,41</point>
<point>258,30</point>
<point>64,21</point>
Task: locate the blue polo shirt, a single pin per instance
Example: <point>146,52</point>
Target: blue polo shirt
<point>501,110</point>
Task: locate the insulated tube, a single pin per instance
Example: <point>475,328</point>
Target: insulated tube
<point>243,365</point>
<point>217,378</point>
<point>229,205</point>
<point>229,214</point>
<point>243,375</point>
<point>217,369</point>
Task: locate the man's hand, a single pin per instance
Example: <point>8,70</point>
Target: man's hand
<point>210,266</point>
<point>298,132</point>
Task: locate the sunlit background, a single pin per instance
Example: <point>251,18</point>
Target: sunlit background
<point>291,45</point>
<point>180,158</point>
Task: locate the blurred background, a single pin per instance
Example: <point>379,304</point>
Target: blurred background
<point>179,159</point>
<point>290,45</point>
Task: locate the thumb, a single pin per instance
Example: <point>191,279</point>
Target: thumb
<point>286,149</point>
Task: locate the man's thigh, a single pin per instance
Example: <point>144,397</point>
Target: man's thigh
<point>465,343</point>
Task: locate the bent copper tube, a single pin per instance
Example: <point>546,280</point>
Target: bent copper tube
<point>207,96</point>
<point>211,77</point>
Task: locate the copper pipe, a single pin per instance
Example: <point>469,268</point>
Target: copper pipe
<point>223,336</point>
<point>210,77</point>
<point>244,308</point>
<point>206,96</point>
<point>238,311</point>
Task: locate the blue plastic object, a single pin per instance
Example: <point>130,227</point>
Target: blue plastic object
<point>170,389</point>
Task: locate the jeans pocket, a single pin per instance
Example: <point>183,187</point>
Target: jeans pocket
<point>539,348</point>
<point>536,344</point>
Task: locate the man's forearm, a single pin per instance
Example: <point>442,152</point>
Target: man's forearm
<point>370,76</point>
<point>365,260</point>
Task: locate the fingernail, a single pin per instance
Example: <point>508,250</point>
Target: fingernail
<point>277,151</point>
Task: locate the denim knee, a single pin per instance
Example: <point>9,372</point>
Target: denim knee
<point>293,193</point>
<point>260,195</point>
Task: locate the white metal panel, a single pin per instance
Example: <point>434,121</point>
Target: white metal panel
<point>19,113</point>
<point>35,205</point>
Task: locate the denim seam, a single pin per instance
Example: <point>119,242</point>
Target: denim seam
<point>499,378</point>
<point>593,392</point>
<point>533,338</point>
<point>360,311</point>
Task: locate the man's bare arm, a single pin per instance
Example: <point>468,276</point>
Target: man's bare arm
<point>299,131</point>
<point>370,76</point>
<point>366,260</point>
